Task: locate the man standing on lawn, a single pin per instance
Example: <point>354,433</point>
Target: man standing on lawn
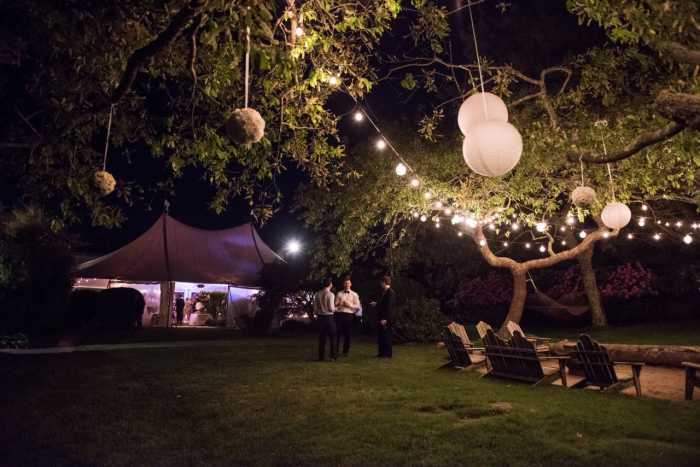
<point>324,308</point>
<point>347,302</point>
<point>385,310</point>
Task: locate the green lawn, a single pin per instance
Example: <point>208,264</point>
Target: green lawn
<point>263,402</point>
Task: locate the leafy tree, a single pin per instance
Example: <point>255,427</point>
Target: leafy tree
<point>168,76</point>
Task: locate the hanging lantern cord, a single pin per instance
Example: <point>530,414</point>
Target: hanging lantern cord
<point>580,161</point>
<point>247,63</point>
<point>612,184</point>
<point>109,130</point>
<point>478,60</point>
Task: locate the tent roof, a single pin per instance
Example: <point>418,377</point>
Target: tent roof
<point>173,251</point>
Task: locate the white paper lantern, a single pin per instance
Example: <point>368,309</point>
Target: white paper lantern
<point>245,126</point>
<point>616,215</point>
<point>492,148</point>
<point>583,196</point>
<point>472,111</point>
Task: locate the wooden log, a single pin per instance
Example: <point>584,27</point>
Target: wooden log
<point>666,355</point>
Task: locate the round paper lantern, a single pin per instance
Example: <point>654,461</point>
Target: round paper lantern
<point>583,196</point>
<point>245,126</point>
<point>616,215</point>
<point>492,148</point>
<point>471,112</point>
<point>104,181</point>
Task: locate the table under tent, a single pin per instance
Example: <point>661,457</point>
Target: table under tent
<point>173,260</point>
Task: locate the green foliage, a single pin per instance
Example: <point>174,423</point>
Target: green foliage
<point>419,320</point>
<point>38,279</point>
<point>70,60</point>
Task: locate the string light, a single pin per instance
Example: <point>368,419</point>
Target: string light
<point>562,228</point>
<point>299,31</point>
<point>679,224</point>
<point>333,80</point>
<point>459,234</point>
<point>415,183</point>
<point>492,227</point>
<point>358,116</point>
<point>471,222</point>
<point>527,245</point>
<point>687,239</point>
<point>644,207</point>
<point>563,242</point>
<point>667,224</point>
<point>380,144</point>
<point>642,222</point>
<point>438,205</point>
<point>570,220</point>
<point>606,234</point>
<point>427,195</point>
<point>541,226</point>
<point>582,234</point>
<point>657,237</point>
<point>456,219</point>
<point>401,169</point>
<point>630,236</point>
<point>423,218</point>
<point>542,249</point>
<point>515,226</point>
<point>505,244</point>
<point>482,242</point>
<point>448,211</point>
<point>415,215</point>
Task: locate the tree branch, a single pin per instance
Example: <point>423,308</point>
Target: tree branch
<point>642,141</point>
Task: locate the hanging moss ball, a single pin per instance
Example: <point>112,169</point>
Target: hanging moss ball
<point>245,126</point>
<point>105,182</point>
<point>583,196</point>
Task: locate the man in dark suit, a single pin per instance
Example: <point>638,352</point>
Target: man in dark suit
<point>384,312</point>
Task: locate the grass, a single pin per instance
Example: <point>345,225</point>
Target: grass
<point>264,402</point>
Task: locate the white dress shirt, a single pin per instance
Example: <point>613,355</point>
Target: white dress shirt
<point>347,301</point>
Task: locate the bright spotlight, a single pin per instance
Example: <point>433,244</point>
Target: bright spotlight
<point>293,247</point>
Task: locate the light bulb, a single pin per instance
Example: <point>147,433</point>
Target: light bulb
<point>299,31</point>
<point>437,225</point>
<point>333,81</point>
<point>542,249</point>
<point>471,222</point>
<point>358,116</point>
<point>687,239</point>
<point>563,242</point>
<point>456,219</point>
<point>380,144</point>
<point>582,234</point>
<point>667,224</point>
<point>644,207</point>
<point>515,226</point>
<point>527,245</point>
<point>505,244</point>
<point>562,228</point>
<point>459,234</point>
<point>630,236</point>
<point>642,222</point>
<point>438,205</point>
<point>448,211</point>
<point>423,218</point>
<point>541,226</point>
<point>679,224</point>
<point>415,215</point>
<point>606,234</point>
<point>482,242</point>
<point>492,227</point>
<point>415,183</point>
<point>657,237</point>
<point>570,220</point>
<point>427,195</point>
<point>401,169</point>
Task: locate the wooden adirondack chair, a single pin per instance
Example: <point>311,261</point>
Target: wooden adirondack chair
<point>481,328</point>
<point>461,356</point>
<point>599,369</point>
<point>541,343</point>
<point>518,359</point>
<point>691,379</point>
<point>459,331</point>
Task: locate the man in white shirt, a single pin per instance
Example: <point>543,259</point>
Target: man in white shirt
<point>324,308</point>
<point>347,303</point>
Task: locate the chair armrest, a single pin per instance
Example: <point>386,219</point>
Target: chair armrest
<point>629,363</point>
<point>691,365</point>
<point>476,348</point>
<point>558,357</point>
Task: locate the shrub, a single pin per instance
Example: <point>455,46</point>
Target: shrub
<point>418,320</point>
<point>36,265</point>
<point>629,281</point>
<point>494,289</point>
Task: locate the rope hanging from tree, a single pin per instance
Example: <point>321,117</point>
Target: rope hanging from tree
<point>104,181</point>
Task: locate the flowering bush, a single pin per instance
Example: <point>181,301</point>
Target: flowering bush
<point>629,281</point>
<point>494,289</point>
<point>567,282</point>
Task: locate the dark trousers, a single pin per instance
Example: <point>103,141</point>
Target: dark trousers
<point>343,324</point>
<point>384,341</point>
<point>326,327</point>
<point>179,315</point>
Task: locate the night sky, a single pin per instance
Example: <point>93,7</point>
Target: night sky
<point>530,35</point>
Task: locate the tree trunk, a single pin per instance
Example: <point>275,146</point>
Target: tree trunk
<point>517,303</point>
<point>585,261</point>
<point>667,355</point>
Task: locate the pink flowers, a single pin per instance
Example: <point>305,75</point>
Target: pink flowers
<point>629,281</point>
<point>494,289</point>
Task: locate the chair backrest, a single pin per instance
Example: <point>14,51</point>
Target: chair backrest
<point>481,328</point>
<point>512,326</point>
<point>516,358</point>
<point>457,351</point>
<point>595,361</point>
<point>459,331</point>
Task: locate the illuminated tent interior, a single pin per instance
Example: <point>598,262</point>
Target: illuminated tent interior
<point>172,259</point>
